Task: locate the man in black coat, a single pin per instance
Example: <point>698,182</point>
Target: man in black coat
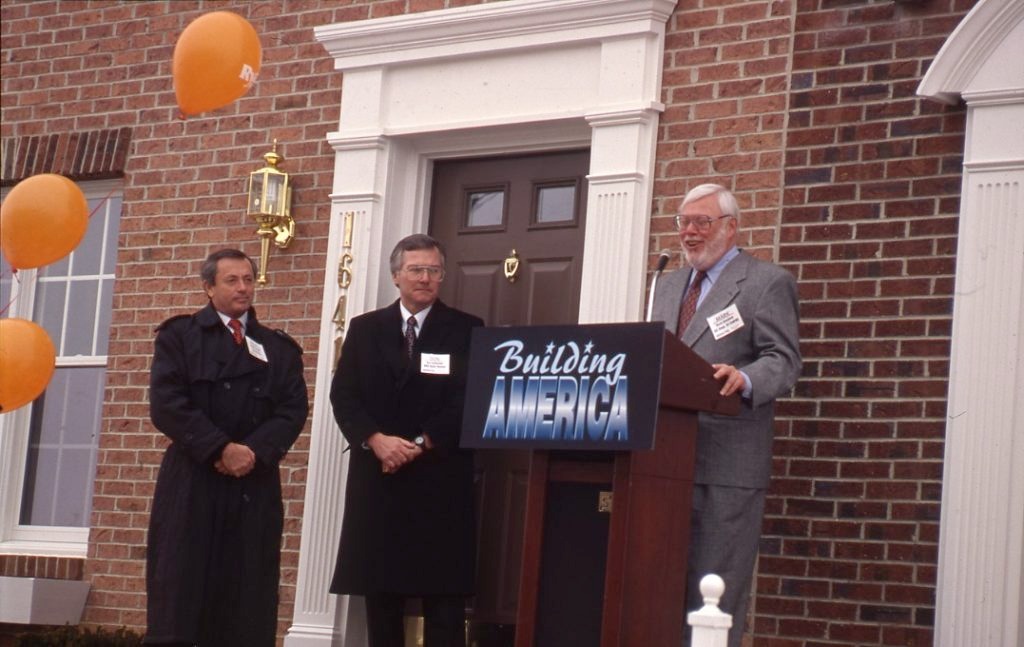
<point>397,395</point>
<point>231,396</point>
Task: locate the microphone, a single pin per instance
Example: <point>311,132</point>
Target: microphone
<point>663,259</point>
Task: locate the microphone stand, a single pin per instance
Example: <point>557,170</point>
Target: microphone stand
<point>662,262</point>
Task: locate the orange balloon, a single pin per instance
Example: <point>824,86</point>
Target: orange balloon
<point>42,220</point>
<point>216,59</point>
<point>27,362</point>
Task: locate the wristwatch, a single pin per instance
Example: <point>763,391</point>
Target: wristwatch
<point>420,441</point>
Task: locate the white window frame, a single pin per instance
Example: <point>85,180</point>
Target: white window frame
<point>17,538</point>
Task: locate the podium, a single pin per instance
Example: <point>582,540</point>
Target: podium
<point>607,517</point>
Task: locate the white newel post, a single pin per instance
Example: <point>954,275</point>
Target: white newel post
<point>710,625</point>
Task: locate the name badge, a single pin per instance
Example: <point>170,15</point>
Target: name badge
<point>435,364</point>
<point>725,322</point>
<point>256,349</point>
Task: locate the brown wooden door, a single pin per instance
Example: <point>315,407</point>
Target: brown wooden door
<point>483,210</point>
<point>522,215</point>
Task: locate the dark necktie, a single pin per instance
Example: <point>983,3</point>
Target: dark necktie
<point>410,335</point>
<point>690,303</point>
<point>236,330</point>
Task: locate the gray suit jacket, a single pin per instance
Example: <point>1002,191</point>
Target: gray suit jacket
<point>737,451</point>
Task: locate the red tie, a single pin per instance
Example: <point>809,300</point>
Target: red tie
<point>236,330</point>
<point>690,303</point>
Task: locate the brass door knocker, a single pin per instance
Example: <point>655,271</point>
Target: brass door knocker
<point>512,267</point>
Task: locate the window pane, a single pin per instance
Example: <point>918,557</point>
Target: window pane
<point>110,244</point>
<point>47,427</point>
<point>49,310</point>
<point>485,208</point>
<point>81,322</point>
<point>37,499</point>
<point>72,500</point>
<point>556,203</point>
<point>255,192</point>
<point>56,268</point>
<point>62,449</point>
<point>6,284</point>
<point>83,404</point>
<point>103,325</point>
<point>86,258</point>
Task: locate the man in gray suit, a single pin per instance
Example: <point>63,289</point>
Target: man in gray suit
<point>741,315</point>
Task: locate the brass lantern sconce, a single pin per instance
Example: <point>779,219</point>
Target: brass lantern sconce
<point>270,203</point>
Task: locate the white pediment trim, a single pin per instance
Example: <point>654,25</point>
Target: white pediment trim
<point>991,26</point>
<point>461,31</point>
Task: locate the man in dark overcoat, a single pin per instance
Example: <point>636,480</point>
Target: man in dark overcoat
<point>231,396</point>
<point>397,395</point>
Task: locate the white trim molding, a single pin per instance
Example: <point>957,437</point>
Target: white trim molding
<point>495,78</point>
<point>980,587</point>
<point>991,31</point>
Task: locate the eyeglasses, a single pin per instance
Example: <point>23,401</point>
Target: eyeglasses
<point>419,271</point>
<point>701,223</point>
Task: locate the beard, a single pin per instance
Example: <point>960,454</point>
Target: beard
<point>712,248</point>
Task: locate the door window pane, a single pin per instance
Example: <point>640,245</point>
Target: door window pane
<point>485,208</point>
<point>556,204</point>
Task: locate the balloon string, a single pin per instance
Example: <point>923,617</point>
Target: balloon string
<point>14,275</point>
<point>102,202</point>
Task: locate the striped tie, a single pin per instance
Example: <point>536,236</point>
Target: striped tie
<point>236,330</point>
<point>690,303</point>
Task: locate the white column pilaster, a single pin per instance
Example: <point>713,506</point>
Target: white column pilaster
<point>618,215</point>
<point>980,598</point>
<point>320,618</point>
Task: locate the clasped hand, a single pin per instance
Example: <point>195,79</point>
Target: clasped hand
<point>235,460</point>
<point>392,451</point>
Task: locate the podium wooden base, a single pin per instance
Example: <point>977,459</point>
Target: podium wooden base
<point>608,579</point>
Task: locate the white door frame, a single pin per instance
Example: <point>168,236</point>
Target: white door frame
<point>514,76</point>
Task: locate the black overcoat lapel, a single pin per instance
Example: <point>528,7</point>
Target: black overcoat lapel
<point>225,359</point>
<point>389,341</point>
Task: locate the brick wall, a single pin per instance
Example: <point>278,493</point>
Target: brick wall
<point>804,107</point>
<point>724,86</point>
<point>869,226</point>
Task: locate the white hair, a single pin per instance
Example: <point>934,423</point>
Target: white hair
<point>726,200</point>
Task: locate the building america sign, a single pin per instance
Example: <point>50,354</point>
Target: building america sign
<point>586,387</point>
